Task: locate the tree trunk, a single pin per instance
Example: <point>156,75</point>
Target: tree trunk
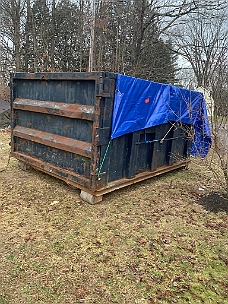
<point>52,52</point>
<point>16,33</point>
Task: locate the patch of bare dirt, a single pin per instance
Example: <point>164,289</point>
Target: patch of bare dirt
<point>214,202</point>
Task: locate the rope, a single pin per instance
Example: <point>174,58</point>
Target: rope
<point>173,125</point>
<point>102,162</point>
<point>159,140</point>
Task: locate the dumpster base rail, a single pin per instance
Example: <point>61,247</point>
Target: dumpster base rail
<point>92,197</point>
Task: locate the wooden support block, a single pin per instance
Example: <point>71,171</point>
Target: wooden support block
<point>90,198</point>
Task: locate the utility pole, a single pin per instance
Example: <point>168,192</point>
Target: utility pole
<point>92,32</point>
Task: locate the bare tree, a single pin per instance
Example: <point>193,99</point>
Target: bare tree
<point>12,14</point>
<point>219,123</point>
<point>129,34</point>
<point>202,41</point>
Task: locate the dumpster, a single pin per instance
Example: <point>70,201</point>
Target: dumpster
<point>79,127</point>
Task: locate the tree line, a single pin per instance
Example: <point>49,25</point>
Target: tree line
<point>140,38</point>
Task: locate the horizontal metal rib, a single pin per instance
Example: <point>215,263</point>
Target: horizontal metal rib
<point>55,141</point>
<point>55,108</point>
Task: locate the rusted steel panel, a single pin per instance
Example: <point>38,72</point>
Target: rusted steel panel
<point>58,91</point>
<point>67,175</point>
<point>55,141</point>
<point>78,129</point>
<point>56,157</point>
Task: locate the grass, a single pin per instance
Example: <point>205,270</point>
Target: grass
<point>147,243</point>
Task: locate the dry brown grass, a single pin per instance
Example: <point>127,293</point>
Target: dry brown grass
<point>147,243</point>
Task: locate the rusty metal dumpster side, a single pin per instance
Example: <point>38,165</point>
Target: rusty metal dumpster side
<point>61,124</point>
<point>56,121</point>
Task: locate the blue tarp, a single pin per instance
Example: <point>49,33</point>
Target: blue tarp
<point>141,104</point>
